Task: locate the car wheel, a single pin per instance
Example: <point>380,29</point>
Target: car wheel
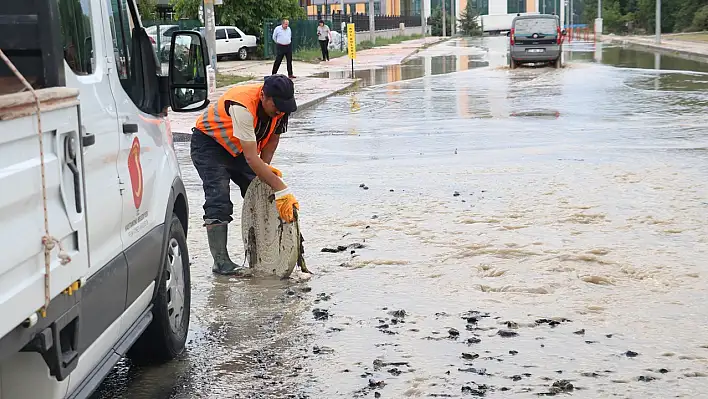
<point>243,54</point>
<point>557,63</point>
<point>512,63</point>
<point>165,337</point>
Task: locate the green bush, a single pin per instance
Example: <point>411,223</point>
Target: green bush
<point>700,19</point>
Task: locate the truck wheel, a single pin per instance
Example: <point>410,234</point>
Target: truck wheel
<point>243,54</point>
<point>165,337</point>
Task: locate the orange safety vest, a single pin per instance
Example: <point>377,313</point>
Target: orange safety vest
<point>215,122</point>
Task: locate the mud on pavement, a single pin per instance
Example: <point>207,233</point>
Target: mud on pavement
<point>486,233</point>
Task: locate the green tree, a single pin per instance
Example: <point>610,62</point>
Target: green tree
<point>248,15</point>
<point>700,19</point>
<point>639,16</point>
<point>435,22</point>
<point>468,21</point>
<point>186,9</point>
<point>147,9</point>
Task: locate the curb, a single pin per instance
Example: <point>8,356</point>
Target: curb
<point>181,137</point>
<point>692,55</point>
<point>427,46</point>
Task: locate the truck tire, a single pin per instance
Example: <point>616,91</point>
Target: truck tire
<point>165,337</point>
<point>243,54</point>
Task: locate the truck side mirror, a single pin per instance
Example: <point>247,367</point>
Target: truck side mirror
<point>187,76</point>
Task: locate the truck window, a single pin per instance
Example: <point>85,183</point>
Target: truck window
<point>530,26</point>
<point>75,20</point>
<point>121,24</point>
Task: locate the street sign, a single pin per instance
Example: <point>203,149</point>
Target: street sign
<point>351,41</point>
<point>351,44</point>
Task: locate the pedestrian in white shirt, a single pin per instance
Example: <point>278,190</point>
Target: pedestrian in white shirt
<point>323,36</point>
<point>283,36</point>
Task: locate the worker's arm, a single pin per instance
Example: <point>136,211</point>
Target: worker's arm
<point>243,131</point>
<point>260,168</point>
<point>275,34</point>
<point>285,201</point>
<point>269,149</point>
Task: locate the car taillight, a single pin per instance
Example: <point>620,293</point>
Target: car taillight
<point>511,37</point>
<point>560,37</point>
<point>152,40</point>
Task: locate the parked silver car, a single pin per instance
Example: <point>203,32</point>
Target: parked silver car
<point>535,39</point>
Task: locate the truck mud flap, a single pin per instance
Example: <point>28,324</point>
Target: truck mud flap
<point>59,344</point>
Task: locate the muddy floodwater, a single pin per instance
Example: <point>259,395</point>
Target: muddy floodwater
<point>522,233</point>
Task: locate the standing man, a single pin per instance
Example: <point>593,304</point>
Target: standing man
<point>234,140</point>
<point>283,37</point>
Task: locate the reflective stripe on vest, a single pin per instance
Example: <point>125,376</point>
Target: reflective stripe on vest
<point>217,123</point>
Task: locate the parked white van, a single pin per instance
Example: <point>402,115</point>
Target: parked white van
<point>93,210</point>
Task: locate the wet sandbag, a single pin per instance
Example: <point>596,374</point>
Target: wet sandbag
<point>273,247</point>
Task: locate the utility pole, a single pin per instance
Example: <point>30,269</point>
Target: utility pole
<point>658,21</point>
<point>453,19</point>
<point>210,30</point>
<point>372,21</point>
<point>598,20</point>
<point>423,20</point>
<point>599,8</point>
<point>443,18</point>
<point>572,20</point>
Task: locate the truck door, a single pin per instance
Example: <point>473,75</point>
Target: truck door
<point>103,296</point>
<point>143,157</point>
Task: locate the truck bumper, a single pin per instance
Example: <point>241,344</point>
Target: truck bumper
<point>523,55</point>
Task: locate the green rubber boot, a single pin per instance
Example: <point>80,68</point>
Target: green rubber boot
<point>217,234</point>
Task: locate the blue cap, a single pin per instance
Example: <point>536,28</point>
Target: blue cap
<point>282,90</point>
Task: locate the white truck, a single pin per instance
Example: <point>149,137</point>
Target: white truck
<point>496,24</point>
<point>92,205</point>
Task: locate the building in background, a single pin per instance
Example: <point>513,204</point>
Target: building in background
<point>413,7</point>
<point>381,7</point>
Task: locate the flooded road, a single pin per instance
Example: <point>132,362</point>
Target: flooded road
<point>528,232</point>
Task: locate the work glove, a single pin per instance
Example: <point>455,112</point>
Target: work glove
<point>285,202</point>
<point>276,171</point>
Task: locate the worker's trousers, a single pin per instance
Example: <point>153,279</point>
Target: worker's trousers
<point>217,168</point>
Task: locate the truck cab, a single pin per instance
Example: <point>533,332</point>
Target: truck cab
<point>93,208</point>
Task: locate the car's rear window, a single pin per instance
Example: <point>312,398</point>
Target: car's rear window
<point>536,25</point>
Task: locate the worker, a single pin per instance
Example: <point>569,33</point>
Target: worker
<point>235,139</point>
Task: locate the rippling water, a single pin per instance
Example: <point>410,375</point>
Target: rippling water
<point>576,194</point>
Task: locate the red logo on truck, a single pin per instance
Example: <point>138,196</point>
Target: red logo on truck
<point>136,172</point>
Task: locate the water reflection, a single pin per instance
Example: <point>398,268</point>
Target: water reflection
<point>411,69</point>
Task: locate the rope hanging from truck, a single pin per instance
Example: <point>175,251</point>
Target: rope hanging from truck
<point>49,242</point>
